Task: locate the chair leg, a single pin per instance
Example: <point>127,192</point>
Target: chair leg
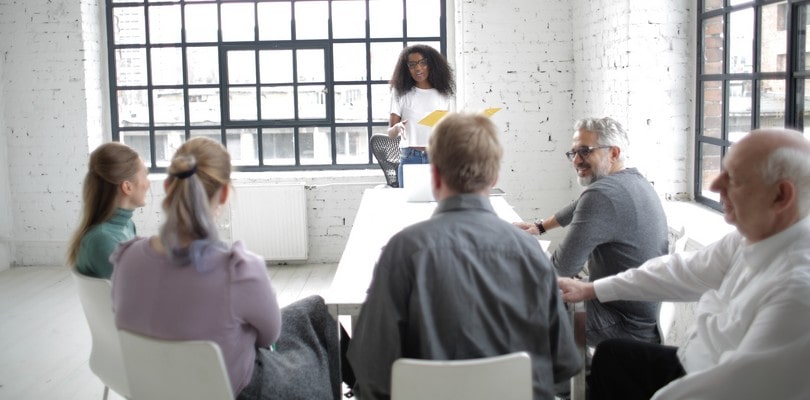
<point>106,392</point>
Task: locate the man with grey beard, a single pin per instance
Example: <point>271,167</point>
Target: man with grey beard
<point>617,223</point>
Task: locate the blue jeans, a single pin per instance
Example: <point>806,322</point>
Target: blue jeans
<point>409,155</point>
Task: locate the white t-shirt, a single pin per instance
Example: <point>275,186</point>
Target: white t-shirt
<point>412,107</point>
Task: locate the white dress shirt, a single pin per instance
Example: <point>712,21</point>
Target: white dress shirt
<point>751,338</point>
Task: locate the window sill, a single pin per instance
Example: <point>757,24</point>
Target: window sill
<point>701,225</point>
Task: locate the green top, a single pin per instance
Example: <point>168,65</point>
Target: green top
<point>101,240</point>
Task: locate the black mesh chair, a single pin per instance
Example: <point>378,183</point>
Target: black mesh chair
<point>386,151</point>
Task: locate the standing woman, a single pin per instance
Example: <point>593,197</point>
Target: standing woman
<point>422,83</point>
<point>200,288</point>
<point>114,186</point>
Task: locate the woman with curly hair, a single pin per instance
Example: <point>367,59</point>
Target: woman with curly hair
<point>422,83</point>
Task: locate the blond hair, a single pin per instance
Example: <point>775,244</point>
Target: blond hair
<point>199,169</point>
<point>464,148</point>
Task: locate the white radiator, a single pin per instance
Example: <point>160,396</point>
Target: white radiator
<point>271,220</point>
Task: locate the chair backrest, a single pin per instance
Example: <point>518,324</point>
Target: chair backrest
<point>106,361</point>
<point>174,369</point>
<point>386,151</point>
<point>504,377</point>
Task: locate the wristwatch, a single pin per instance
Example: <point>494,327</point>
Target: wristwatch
<point>539,225</point>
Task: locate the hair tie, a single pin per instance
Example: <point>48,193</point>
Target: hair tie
<point>186,174</point>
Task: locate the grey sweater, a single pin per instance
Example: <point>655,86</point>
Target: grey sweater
<point>616,224</point>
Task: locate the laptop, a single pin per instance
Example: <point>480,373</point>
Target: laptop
<point>417,183</point>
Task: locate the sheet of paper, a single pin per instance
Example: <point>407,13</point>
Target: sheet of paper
<point>434,117</point>
<point>492,110</point>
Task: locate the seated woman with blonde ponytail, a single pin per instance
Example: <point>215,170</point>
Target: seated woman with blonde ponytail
<point>187,284</point>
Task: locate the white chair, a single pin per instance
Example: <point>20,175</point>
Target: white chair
<point>106,361</point>
<point>174,369</point>
<point>504,377</point>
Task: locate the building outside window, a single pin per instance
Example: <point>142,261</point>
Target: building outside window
<point>752,72</point>
<point>283,84</point>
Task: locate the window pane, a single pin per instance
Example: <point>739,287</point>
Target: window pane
<point>275,66</point>
<point>351,144</point>
<point>350,62</point>
<point>203,106</point>
<point>738,2</point>
<point>383,59</point>
<point>166,144</point>
<point>709,5</point>
<point>168,107</point>
<point>274,21</point>
<point>237,22</point>
<point>423,17</point>
<point>315,146</point>
<point>741,41</point>
<point>278,103</point>
<point>242,103</point>
<point>129,25</point>
<point>712,108</point>
<point>164,24</point>
<point>201,23</point>
<point>801,38</point>
<point>380,102</point>
<point>133,109</point>
<point>138,140</point>
<point>243,146</point>
<point>130,67</point>
<point>713,45</point>
<point>311,20</point>
<point>241,67</point>
<point>351,103</point>
<point>203,65</point>
<point>385,18</point>
<point>710,158</point>
<point>212,134</point>
<point>311,66</point>
<point>739,109</point>
<point>312,102</point>
<point>167,66</point>
<point>773,46</point>
<point>278,146</point>
<point>349,19</point>
<point>801,101</point>
<point>772,103</point>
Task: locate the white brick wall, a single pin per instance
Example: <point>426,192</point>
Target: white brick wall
<point>545,62</point>
<point>634,63</point>
<point>5,185</point>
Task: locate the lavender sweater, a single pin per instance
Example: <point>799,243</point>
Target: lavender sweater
<point>233,304</point>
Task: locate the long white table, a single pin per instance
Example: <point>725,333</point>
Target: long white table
<point>382,213</point>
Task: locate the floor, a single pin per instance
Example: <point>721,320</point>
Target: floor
<point>45,342</point>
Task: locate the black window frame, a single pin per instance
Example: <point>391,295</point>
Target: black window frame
<point>225,124</point>
<point>792,76</point>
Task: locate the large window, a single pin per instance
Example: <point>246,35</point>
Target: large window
<point>752,68</point>
<point>283,84</point>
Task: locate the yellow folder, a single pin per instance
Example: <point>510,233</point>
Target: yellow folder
<point>434,117</point>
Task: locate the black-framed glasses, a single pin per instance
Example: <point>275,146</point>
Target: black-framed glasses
<point>583,152</point>
<point>421,61</point>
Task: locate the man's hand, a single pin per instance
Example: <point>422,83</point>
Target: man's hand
<point>574,291</point>
<point>527,227</point>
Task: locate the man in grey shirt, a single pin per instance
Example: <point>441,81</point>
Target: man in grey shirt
<point>463,284</point>
<point>617,223</point>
